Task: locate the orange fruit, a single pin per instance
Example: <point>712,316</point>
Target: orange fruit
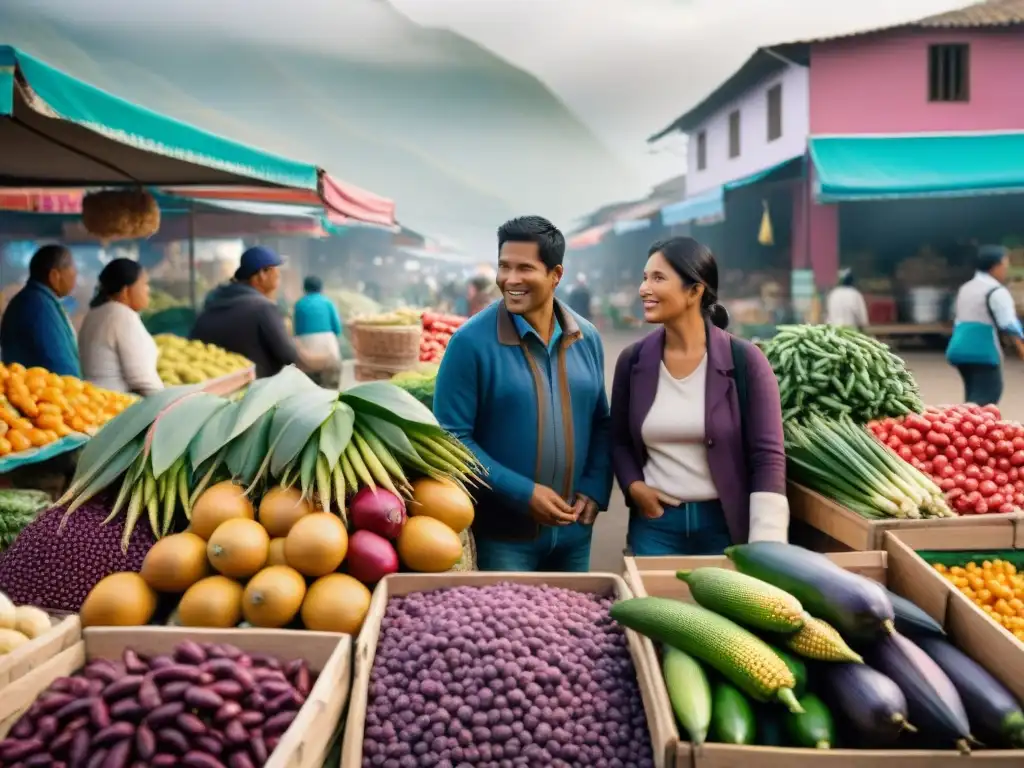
<point>19,440</point>
<point>38,437</point>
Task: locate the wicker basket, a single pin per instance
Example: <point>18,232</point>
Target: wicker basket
<point>373,371</point>
<point>387,346</point>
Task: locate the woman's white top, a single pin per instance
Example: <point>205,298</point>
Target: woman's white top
<point>117,351</point>
<point>673,433</point>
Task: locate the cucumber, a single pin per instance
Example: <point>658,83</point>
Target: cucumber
<point>732,716</point>
<point>814,729</point>
<point>689,692</point>
<point>857,607</point>
<point>796,666</point>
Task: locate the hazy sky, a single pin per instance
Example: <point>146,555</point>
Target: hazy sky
<point>628,67</point>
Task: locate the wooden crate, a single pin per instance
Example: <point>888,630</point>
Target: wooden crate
<point>306,742</point>
<point>997,646</point>
<point>902,572</point>
<point>652,691</point>
<point>66,632</point>
<point>861,534</point>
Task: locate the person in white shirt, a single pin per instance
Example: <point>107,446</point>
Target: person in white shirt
<point>845,304</point>
<point>116,349</point>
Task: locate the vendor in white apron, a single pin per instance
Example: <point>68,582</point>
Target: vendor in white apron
<point>317,329</point>
<point>984,312</point>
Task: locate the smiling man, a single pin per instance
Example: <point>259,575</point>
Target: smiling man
<point>522,385</point>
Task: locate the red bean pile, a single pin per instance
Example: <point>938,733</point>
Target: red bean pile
<point>55,568</point>
<point>204,706</point>
<point>504,676</point>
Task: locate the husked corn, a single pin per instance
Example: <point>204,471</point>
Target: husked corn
<point>744,599</point>
<point>819,640</point>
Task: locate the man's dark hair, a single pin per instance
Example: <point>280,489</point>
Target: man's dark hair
<point>47,259</point>
<point>312,284</point>
<point>535,229</point>
<point>481,283</point>
<point>989,257</point>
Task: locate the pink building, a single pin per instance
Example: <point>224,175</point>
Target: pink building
<point>929,108</point>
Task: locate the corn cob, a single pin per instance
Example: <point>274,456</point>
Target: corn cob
<point>740,656</point>
<point>744,599</point>
<point>820,641</point>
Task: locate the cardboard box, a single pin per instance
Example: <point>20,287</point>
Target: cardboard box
<point>19,662</point>
<point>903,574</point>
<point>652,690</point>
<point>306,742</point>
<point>861,534</point>
<point>997,648</point>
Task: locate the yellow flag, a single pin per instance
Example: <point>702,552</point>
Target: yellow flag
<point>765,235</point>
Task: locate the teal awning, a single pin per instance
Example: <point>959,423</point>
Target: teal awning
<point>881,167</point>
<point>56,130</point>
<point>710,204</point>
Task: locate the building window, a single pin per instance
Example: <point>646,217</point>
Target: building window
<point>702,151</point>
<point>949,72</point>
<point>734,134</point>
<point>775,112</point>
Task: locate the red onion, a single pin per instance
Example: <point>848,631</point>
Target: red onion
<point>379,511</point>
<point>370,557</point>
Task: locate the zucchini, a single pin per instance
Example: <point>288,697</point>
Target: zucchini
<point>796,666</point>
<point>870,704</point>
<point>732,716</point>
<point>933,704</point>
<point>991,709</point>
<point>689,692</point>
<point>911,620</point>
<point>857,607</point>
<point>814,727</point>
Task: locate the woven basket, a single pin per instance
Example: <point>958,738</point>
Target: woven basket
<point>373,371</point>
<point>468,560</point>
<point>395,346</point>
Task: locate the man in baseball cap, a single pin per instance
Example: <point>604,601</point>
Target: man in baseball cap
<point>242,317</point>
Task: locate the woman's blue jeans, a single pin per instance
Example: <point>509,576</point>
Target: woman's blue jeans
<point>693,528</point>
<point>557,548</point>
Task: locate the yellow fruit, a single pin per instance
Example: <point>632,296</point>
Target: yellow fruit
<point>273,596</point>
<point>317,544</point>
<point>119,600</point>
<point>335,603</point>
<point>428,545</point>
<point>444,501</point>
<point>281,508</point>
<point>275,555</point>
<point>32,622</point>
<point>215,601</point>
<point>7,612</point>
<point>175,563</point>
<point>10,639</point>
<point>217,504</point>
<point>238,548</point>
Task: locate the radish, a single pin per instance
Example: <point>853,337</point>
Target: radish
<point>370,557</point>
<point>378,511</point>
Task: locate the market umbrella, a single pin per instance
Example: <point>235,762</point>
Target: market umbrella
<point>57,131</point>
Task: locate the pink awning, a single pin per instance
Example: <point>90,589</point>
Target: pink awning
<point>41,200</point>
<point>347,203</point>
<point>588,237</point>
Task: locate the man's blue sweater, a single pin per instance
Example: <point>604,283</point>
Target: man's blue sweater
<point>526,420</point>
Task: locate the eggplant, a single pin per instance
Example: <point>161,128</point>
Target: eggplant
<point>995,715</point>
<point>858,607</point>
<point>911,621</point>
<point>870,705</point>
<point>933,704</point>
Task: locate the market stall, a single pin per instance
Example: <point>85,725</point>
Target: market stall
<point>401,342</point>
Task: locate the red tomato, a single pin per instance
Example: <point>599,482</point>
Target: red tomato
<point>947,484</point>
<point>1003,464</point>
<point>940,462</point>
<point>987,473</point>
<point>894,443</point>
<point>992,410</point>
<point>988,445</point>
<point>967,427</point>
<point>930,451</point>
<point>996,434</point>
<point>981,456</point>
<point>1013,474</point>
<point>974,442</point>
<point>981,429</point>
<point>1018,443</point>
<point>960,463</point>
<point>971,484</point>
<point>973,471</point>
<point>995,500</point>
<point>986,488</point>
<point>905,453</point>
<point>939,439</point>
<point>1017,458</point>
<point>1006,509</point>
<point>981,508</point>
<point>914,434</point>
<point>948,471</point>
<point>1018,499</point>
<point>900,431</point>
<point>968,455</point>
<point>928,468</point>
<point>960,442</point>
<point>1001,479</point>
<point>952,452</point>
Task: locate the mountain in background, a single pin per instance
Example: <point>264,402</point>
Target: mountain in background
<point>458,137</point>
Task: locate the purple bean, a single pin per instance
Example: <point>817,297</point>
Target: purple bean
<point>172,740</point>
<point>98,713</point>
<point>228,711</point>
<point>118,755</point>
<point>251,719</point>
<point>258,746</point>
<point>210,745</point>
<point>162,662</point>
<point>240,760</point>
<point>46,727</point>
<point>202,698</point>
<point>79,751</point>
<point>145,742</point>
<point>174,691</point>
<point>112,734</point>
<point>21,750</point>
<point>173,672</point>
<point>164,761</point>
<point>188,652</point>
<point>148,694</point>
<point>190,724</point>
<point>132,663</point>
<point>128,709</point>
<point>278,724</point>
<point>228,689</point>
<point>201,760</point>
<point>165,714</point>
<point>236,733</point>
<point>126,686</point>
<point>52,702</point>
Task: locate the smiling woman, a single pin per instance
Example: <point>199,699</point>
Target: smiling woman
<point>696,418</point>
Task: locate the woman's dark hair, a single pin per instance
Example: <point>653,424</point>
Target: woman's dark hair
<point>696,265</point>
<point>114,278</point>
<point>47,259</point>
<point>989,257</point>
<point>312,284</point>
<point>847,279</point>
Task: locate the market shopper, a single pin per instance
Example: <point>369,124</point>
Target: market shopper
<point>983,313</point>
<point>696,418</point>
<point>845,304</point>
<point>242,317</point>
<point>318,329</point>
<point>118,353</point>
<point>36,330</point>
<point>522,385</point>
<point>580,298</point>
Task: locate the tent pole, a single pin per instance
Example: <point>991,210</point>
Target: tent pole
<point>192,254</point>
